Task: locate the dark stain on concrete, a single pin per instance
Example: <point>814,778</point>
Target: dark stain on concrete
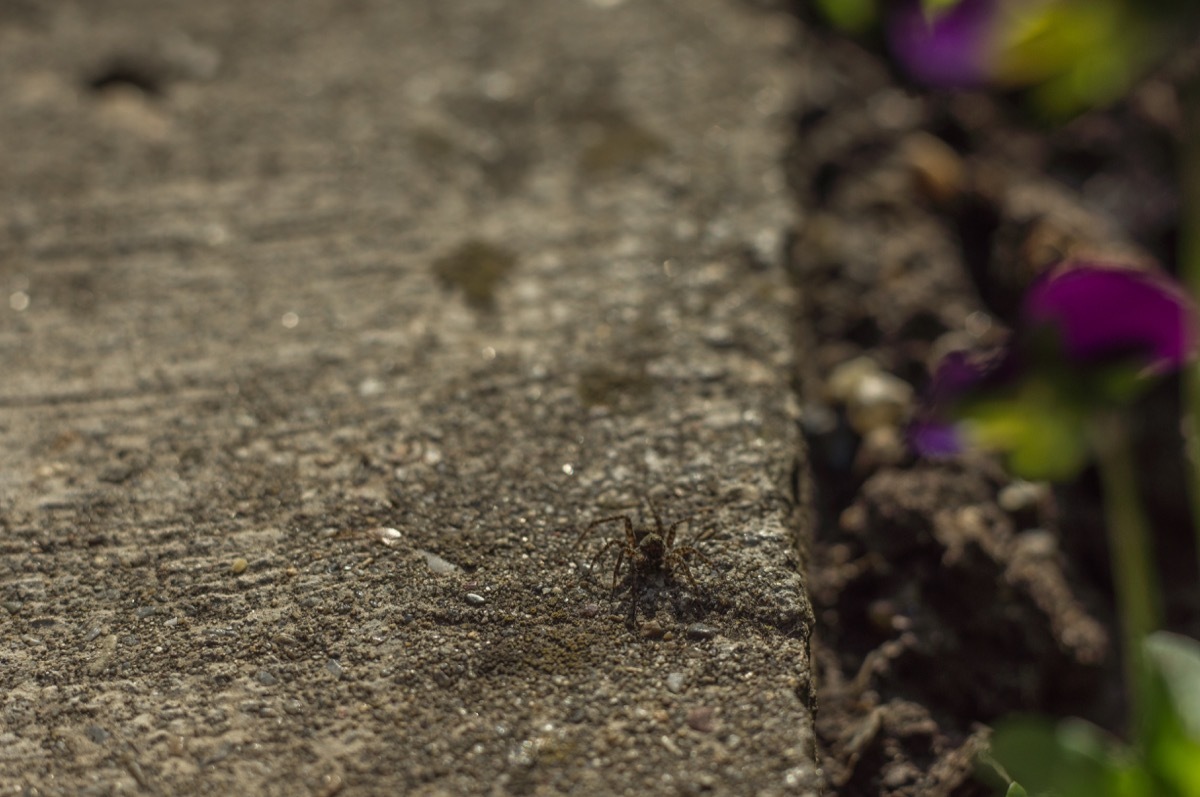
<point>476,268</point>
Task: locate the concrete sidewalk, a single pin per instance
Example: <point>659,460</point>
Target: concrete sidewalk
<point>328,328</point>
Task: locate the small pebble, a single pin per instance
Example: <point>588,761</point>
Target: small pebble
<point>880,447</point>
<point>239,566</point>
<point>265,678</point>
<point>387,536</point>
<point>589,610</point>
<point>176,745</point>
<point>146,611</point>
<point>1037,543</point>
<point>668,743</point>
<point>937,169</point>
<point>872,397</point>
<point>702,719</point>
<point>96,734</point>
<point>331,785</point>
<point>438,565</point>
<point>844,379</point>
<point>475,599</point>
<point>652,630</point>
<point>675,682</point>
<point>12,606</point>
<point>1021,495</point>
<point>701,631</point>
<point>853,519</point>
<point>335,668</point>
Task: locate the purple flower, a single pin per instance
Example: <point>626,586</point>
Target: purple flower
<point>931,434</point>
<point>953,49</point>
<point>1102,312</point>
<point>1108,326</point>
<point>934,439</point>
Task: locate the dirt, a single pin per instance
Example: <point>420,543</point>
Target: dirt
<point>948,595</point>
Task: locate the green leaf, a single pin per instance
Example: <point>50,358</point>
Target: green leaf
<point>1015,790</point>
<point>1176,659</point>
<point>1119,383</point>
<point>1067,759</point>
<point>1072,758</point>
<point>1173,711</point>
<point>1041,430</point>
<point>1075,55</point>
<point>933,8</point>
<point>853,16</point>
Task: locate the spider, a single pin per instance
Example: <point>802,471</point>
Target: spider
<point>650,551</point>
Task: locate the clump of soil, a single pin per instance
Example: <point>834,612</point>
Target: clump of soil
<point>949,595</point>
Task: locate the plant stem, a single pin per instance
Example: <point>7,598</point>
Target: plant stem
<point>1129,549</point>
<point>1189,273</point>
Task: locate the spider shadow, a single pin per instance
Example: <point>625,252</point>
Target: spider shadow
<point>686,603</point>
<point>656,564</point>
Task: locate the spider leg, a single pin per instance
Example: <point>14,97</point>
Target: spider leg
<point>592,526</point>
<point>630,533</point>
<point>658,522</point>
<point>671,530</point>
<point>678,559</point>
<point>680,563</point>
<point>617,569</point>
<point>633,607</point>
<point>600,555</point>
<point>691,550</point>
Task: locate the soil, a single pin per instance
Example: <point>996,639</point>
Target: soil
<point>949,595</point>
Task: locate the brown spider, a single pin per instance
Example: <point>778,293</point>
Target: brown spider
<point>651,552</point>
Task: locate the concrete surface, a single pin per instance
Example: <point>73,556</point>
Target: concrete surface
<point>327,328</point>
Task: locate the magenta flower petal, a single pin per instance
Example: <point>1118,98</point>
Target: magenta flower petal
<point>1102,312</point>
<point>933,439</point>
<point>958,373</point>
<point>951,49</point>
<point>1101,319</point>
<point>931,434</point>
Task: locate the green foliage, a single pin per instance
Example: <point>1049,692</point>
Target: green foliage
<point>1173,698</point>
<point>935,7</point>
<point>1068,55</point>
<point>1043,435</point>
<point>1043,424</point>
<point>852,16</point>
<point>1067,759</point>
<point>1072,758</point>
<point>1075,55</point>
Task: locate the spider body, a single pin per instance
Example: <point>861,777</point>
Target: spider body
<point>651,552</point>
